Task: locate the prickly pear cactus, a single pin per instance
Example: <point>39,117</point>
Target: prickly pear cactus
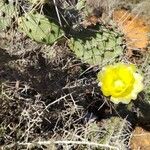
<point>82,6</point>
<point>7,15</point>
<point>114,131</point>
<point>102,47</point>
<point>40,28</point>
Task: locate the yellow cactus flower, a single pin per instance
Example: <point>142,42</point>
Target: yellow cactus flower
<point>121,82</point>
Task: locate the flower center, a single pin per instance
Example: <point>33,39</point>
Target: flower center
<point>119,83</point>
<point>119,86</point>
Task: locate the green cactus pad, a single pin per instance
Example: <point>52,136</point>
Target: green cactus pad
<point>7,14</point>
<point>101,47</point>
<point>114,131</point>
<point>40,28</point>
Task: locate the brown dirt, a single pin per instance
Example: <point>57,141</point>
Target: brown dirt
<point>140,139</point>
<point>135,29</point>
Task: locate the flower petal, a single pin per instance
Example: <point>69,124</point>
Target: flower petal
<point>121,82</point>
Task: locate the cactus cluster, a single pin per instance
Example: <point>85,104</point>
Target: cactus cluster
<point>94,46</point>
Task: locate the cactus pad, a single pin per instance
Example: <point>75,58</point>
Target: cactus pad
<point>101,47</point>
<point>7,14</point>
<point>40,28</point>
<point>114,131</point>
